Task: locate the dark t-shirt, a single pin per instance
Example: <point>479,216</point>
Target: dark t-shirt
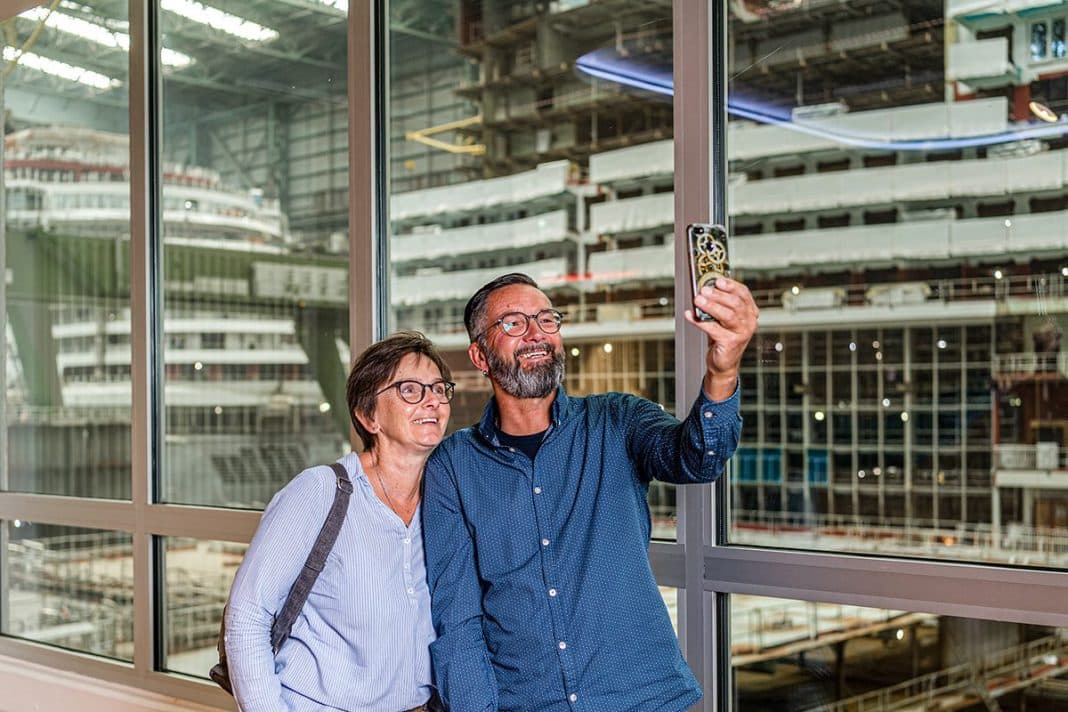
<point>527,444</point>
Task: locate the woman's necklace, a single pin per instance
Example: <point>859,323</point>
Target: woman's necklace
<point>382,485</point>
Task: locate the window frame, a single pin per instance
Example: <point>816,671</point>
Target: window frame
<point>702,563</point>
<point>703,557</point>
<point>147,520</point>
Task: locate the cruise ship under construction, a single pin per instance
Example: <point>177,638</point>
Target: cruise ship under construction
<point>898,200</point>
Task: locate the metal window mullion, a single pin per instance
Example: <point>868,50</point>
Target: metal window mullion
<point>937,587</point>
<point>145,315</point>
<point>699,60</point>
<point>4,482</point>
<point>368,89</point>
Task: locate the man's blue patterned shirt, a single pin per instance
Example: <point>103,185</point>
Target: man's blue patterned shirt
<point>543,596</point>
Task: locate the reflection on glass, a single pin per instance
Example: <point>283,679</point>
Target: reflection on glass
<point>1057,41</point>
<point>507,158</point>
<point>198,578</point>
<point>1038,40</point>
<point>867,222</point>
<point>69,587</point>
<point>820,657</point>
<point>671,600</point>
<point>64,353</point>
<point>255,264</point>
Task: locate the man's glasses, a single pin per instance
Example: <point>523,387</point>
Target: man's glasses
<point>517,324</point>
<point>414,392</point>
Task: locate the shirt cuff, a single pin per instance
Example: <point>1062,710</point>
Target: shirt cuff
<point>728,404</point>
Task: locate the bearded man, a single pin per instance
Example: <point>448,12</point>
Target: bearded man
<point>536,524</point>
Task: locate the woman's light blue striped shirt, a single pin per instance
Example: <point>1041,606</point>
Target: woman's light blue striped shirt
<point>361,642</point>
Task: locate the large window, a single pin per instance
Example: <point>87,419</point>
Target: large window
<point>512,150</point>
<point>255,265</point>
<point>209,206</point>
<point>65,352</point>
<point>907,386</point>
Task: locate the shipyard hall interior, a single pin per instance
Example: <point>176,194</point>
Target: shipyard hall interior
<point>209,208</point>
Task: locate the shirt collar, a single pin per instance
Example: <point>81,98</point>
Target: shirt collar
<point>351,463</point>
<point>558,411</point>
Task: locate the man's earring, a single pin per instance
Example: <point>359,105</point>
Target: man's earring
<point>485,373</point>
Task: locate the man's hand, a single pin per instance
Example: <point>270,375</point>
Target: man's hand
<point>736,314</point>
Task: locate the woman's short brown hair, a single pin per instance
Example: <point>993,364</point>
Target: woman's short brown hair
<point>375,368</point>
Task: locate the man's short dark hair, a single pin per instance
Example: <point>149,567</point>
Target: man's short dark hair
<point>375,368</point>
<point>475,311</point>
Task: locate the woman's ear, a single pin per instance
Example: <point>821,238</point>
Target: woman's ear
<point>368,422</point>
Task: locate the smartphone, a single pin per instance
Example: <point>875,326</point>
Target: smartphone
<point>708,258</point>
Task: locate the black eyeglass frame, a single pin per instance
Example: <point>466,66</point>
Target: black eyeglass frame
<point>558,318</point>
<point>450,390</point>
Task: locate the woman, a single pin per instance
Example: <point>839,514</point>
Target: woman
<point>361,640</point>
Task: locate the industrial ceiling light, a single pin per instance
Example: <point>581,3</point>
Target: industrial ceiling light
<point>60,69</point>
<point>219,20</point>
<point>98,34</point>
<point>1043,112</point>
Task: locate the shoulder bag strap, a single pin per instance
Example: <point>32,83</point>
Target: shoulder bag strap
<point>298,594</point>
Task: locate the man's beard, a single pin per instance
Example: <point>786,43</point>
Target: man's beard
<point>537,381</point>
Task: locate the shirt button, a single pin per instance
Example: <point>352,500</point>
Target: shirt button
<point>552,592</point>
<point>573,697</point>
<point>561,645</point>
<point>411,590</point>
<point>407,566</point>
<point>407,540</point>
<point>511,449</point>
<point>537,490</point>
<point>708,414</point>
<point>711,452</point>
<point>545,542</point>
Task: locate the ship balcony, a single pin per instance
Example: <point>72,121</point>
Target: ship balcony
<point>892,185</point>
<point>633,214</point>
<point>545,181</point>
<point>982,64</point>
<point>1039,466</point>
<point>1042,456</point>
<point>437,286</point>
<point>507,235</point>
<point>1029,366</point>
<point>923,241</point>
<point>750,141</point>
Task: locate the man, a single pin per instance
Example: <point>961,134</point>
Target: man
<point>536,522</point>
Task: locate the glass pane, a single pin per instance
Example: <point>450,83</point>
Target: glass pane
<point>65,351</point>
<point>69,587</point>
<point>1057,44</point>
<point>1038,40</point>
<point>516,146</point>
<point>255,223</point>
<point>198,578</point>
<point>671,600</point>
<point>791,656</point>
<point>908,384</point>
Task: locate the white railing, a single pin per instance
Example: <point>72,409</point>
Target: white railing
<point>546,180</point>
<point>759,628</point>
<point>506,235</point>
<point>979,59</point>
<point>1014,542</point>
<point>1029,364</point>
<point>748,141</point>
<point>447,286</point>
<point>975,681</point>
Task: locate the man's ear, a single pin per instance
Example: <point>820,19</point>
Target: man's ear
<point>478,358</point>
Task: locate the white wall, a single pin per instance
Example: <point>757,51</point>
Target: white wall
<point>34,688</point>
